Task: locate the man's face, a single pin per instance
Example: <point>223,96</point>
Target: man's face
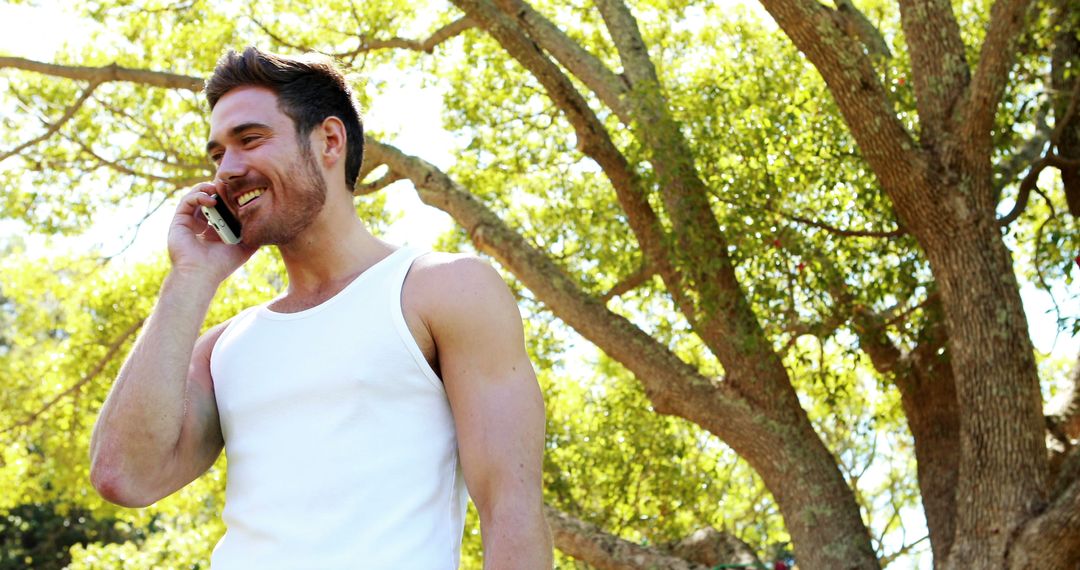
<point>272,183</point>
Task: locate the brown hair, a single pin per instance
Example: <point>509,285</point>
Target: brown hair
<point>309,90</point>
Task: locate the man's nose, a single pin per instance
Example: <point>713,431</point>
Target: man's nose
<point>232,166</point>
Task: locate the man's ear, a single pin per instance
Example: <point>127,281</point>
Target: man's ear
<point>332,135</point>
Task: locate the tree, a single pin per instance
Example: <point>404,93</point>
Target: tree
<point>680,187</point>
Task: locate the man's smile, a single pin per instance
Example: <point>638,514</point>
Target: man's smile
<point>248,196</point>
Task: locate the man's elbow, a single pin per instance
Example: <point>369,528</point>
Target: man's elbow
<point>118,489</point>
<point>523,520</point>
<point>518,538</point>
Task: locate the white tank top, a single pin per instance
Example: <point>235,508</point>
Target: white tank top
<point>340,443</point>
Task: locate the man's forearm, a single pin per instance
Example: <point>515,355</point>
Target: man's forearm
<point>140,422</point>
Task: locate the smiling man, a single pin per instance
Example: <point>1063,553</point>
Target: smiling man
<point>356,407</point>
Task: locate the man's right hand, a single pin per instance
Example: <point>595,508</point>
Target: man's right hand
<point>194,247</point>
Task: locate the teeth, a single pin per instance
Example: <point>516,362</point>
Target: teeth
<point>249,196</point>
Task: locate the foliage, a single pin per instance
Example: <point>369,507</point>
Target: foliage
<point>654,479</point>
<point>40,535</point>
<point>811,233</point>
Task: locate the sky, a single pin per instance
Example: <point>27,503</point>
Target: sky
<point>411,112</point>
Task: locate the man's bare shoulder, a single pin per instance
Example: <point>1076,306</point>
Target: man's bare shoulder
<point>450,284</point>
<point>447,274</point>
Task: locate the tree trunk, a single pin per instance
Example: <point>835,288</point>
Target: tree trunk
<point>1003,469</point>
<point>927,388</point>
<point>819,508</point>
<point>1065,81</point>
<point>928,395</point>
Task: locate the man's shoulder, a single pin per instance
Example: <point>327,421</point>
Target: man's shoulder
<point>450,282</point>
<point>445,271</point>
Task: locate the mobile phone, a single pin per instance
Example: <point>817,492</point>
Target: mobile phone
<point>223,221</point>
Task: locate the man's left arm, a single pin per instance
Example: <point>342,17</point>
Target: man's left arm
<point>498,410</point>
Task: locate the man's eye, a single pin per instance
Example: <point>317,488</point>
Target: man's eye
<point>215,158</point>
<point>249,140</point>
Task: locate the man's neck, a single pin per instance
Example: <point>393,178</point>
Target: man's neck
<point>328,256</point>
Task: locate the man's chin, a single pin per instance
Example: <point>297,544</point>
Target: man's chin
<point>255,240</point>
<point>252,239</point>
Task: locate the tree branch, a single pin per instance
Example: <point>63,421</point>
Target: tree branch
<point>1061,162</point>
<point>842,232</point>
<point>1029,183</point>
<point>1065,469</point>
<point>383,181</point>
<point>278,39</point>
<point>150,211</point>
<point>821,329</point>
<point>55,126</point>
<point>589,543</point>
<point>870,326</point>
<point>117,165</point>
<point>427,45</point>
<point>673,385</point>
<point>1064,61</point>
<point>114,347</point>
<point>819,33</point>
<point>624,31</point>
<point>939,65</point>
<point>106,74</point>
<point>820,225</point>
<point>1052,539</point>
<point>716,548</point>
<point>593,138</point>
<point>705,286</point>
<point>123,169</point>
<point>928,395</point>
<point>630,282</point>
<point>883,352</point>
<point>1049,158</point>
<point>904,549</point>
<point>860,27</point>
<point>154,133</point>
<point>367,44</point>
<point>996,58</point>
<point>608,86</point>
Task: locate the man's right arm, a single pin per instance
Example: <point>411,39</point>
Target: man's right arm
<point>158,429</point>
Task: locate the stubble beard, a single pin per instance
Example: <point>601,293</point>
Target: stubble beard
<point>306,190</point>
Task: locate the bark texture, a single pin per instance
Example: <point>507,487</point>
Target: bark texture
<point>1003,470</point>
<point>946,200</point>
<point>107,73</point>
<point>1065,80</point>
<point>603,551</point>
<point>712,548</point>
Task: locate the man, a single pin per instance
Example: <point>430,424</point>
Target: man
<point>355,407</point>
